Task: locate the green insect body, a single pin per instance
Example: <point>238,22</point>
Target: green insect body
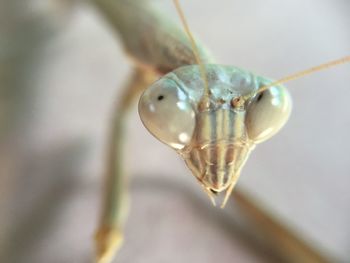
<point>213,123</point>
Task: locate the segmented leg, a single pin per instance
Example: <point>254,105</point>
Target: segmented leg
<point>109,235</point>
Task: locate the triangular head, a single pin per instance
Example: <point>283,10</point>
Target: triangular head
<point>214,134</point>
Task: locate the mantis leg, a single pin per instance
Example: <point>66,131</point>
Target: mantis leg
<point>109,235</point>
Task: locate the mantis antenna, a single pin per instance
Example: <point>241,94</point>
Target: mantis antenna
<point>306,72</point>
<point>195,49</point>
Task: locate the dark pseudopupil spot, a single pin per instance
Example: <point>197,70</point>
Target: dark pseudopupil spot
<point>160,97</point>
<point>260,96</point>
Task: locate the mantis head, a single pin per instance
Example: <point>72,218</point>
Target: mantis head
<point>214,136</point>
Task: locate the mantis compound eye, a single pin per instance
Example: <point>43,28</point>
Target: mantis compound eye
<point>167,113</point>
<point>267,113</point>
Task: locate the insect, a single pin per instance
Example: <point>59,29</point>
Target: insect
<point>212,115</point>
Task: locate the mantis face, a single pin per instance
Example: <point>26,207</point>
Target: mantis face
<point>214,139</point>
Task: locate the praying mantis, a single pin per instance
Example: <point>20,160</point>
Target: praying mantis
<point>156,52</point>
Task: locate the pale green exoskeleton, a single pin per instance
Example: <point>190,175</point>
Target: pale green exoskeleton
<point>214,139</point>
<point>212,115</point>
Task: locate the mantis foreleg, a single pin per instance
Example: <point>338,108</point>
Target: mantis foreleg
<point>109,235</point>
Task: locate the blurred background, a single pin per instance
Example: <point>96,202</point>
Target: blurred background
<point>61,70</point>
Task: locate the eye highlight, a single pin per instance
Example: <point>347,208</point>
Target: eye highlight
<point>267,113</point>
<point>167,113</point>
